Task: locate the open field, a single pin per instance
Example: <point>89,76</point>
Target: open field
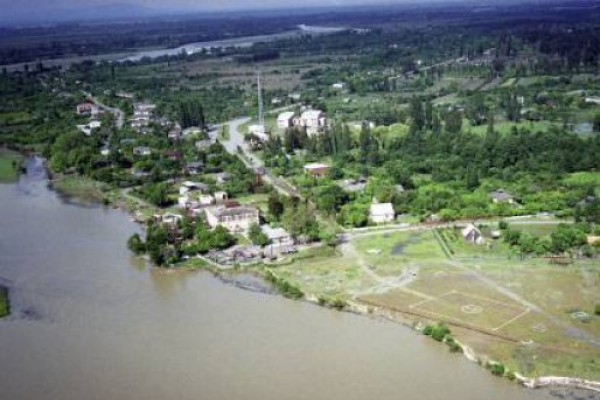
<point>522,313</point>
<point>9,162</point>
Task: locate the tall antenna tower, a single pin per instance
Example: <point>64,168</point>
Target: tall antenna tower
<point>261,116</point>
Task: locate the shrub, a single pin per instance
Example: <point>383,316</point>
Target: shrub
<point>454,347</point>
<point>597,309</point>
<point>438,332</point>
<point>496,368</point>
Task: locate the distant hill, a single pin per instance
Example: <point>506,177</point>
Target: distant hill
<point>20,15</point>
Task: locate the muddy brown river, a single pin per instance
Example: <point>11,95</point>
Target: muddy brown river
<point>91,322</point>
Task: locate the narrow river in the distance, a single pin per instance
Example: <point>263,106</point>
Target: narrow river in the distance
<point>91,322</point>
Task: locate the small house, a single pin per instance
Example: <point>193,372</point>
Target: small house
<point>277,236</point>
<point>471,234</point>
<point>194,167</point>
<point>317,170</point>
<point>501,196</point>
<point>381,213</point>
<point>142,151</point>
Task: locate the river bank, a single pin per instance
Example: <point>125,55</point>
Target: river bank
<point>230,276</point>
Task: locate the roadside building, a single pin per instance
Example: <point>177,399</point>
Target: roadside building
<point>260,131</point>
<point>381,213</point>
<point>313,120</point>
<point>285,119</point>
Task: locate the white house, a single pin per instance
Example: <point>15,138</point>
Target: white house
<point>471,234</point>
<point>285,119</point>
<point>339,86</point>
<point>381,213</point>
<point>88,128</point>
<point>313,120</point>
<point>259,131</point>
<point>317,170</point>
<point>235,219</point>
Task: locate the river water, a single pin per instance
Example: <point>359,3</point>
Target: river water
<point>91,322</point>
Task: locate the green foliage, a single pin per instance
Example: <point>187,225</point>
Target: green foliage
<point>156,193</point>
<point>283,286</point>
<point>256,235</point>
<point>135,244</point>
<point>438,332</point>
<point>299,221</point>
<point>496,368</point>
<point>597,309</point>
<point>275,205</point>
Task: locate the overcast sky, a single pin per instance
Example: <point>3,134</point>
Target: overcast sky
<point>33,5</point>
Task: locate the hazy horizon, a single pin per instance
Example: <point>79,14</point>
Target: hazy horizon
<point>48,11</point>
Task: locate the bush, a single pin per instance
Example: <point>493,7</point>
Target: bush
<point>454,347</point>
<point>496,368</point>
<point>438,332</point>
<point>511,375</point>
<point>136,244</point>
<point>597,309</point>
<point>284,287</point>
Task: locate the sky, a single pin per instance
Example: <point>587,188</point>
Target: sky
<point>16,11</point>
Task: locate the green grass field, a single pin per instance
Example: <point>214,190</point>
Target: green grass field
<point>80,188</point>
<point>9,162</point>
<point>486,299</point>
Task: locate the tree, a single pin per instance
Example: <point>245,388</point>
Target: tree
<point>221,238</point>
<point>416,113</point>
<point>136,244</point>
<point>275,205</point>
<point>257,236</point>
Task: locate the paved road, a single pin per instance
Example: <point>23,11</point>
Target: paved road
<point>119,115</point>
<point>235,142</point>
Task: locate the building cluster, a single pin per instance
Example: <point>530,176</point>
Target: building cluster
<point>91,110</point>
<point>314,121</point>
<point>143,114</point>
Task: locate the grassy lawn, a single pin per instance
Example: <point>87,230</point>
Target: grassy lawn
<point>193,264</point>
<point>4,305</point>
<point>324,272</point>
<point>463,292</point>
<point>9,161</point>
<point>389,254</point>
<point>579,179</point>
<point>80,188</point>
